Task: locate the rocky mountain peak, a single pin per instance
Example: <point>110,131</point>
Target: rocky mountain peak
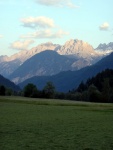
<point>78,48</point>
<point>105,49</point>
<point>105,46</point>
<point>70,42</point>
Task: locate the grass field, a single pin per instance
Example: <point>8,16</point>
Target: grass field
<point>37,124</point>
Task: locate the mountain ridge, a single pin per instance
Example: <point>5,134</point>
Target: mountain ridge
<point>83,52</point>
<point>44,63</point>
<point>68,80</point>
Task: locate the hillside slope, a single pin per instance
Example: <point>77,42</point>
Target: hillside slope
<point>45,63</point>
<point>9,64</point>
<point>68,80</point>
<point>8,84</point>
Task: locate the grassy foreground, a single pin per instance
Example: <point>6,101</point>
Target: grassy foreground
<point>31,124</point>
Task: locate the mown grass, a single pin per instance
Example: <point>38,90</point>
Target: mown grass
<point>38,124</point>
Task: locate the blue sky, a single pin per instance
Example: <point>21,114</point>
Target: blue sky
<point>27,23</point>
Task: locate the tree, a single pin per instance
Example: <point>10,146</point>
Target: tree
<point>30,90</point>
<point>49,90</point>
<point>9,92</point>
<point>94,94</point>
<point>2,90</point>
<point>81,87</point>
<point>106,90</point>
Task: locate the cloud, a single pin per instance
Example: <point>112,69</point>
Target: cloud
<point>21,45</point>
<point>49,34</point>
<point>104,26</point>
<point>1,36</point>
<point>57,3</point>
<point>41,22</point>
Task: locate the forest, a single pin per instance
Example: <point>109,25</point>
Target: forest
<point>95,89</point>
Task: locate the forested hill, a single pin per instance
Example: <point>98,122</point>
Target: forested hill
<point>98,81</point>
<point>8,84</point>
<point>96,89</point>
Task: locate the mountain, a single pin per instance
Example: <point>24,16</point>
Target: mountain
<point>105,46</point>
<point>7,68</point>
<point>79,49</point>
<point>45,63</point>
<point>7,83</point>
<point>76,48</point>
<point>3,58</point>
<point>26,54</point>
<point>80,53</point>
<point>68,80</point>
<point>9,64</point>
<point>105,49</point>
<point>83,52</point>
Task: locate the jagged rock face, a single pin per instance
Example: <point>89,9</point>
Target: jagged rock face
<point>77,48</point>
<point>79,64</point>
<point>105,47</point>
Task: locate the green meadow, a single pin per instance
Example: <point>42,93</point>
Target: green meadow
<point>38,124</point>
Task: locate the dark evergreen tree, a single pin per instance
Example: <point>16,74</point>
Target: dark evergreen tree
<point>93,94</point>
<point>82,87</point>
<point>106,90</point>
<point>2,90</point>
<point>49,90</point>
<point>30,90</point>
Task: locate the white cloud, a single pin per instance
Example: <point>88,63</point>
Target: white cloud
<point>57,3</point>
<point>49,34</point>
<point>1,36</point>
<point>21,45</point>
<point>104,26</point>
<point>71,5</point>
<point>34,22</point>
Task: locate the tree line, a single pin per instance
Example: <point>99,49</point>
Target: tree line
<point>4,91</point>
<point>95,89</point>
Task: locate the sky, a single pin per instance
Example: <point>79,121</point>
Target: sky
<point>28,23</point>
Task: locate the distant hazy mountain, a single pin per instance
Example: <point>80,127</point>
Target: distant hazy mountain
<point>68,80</point>
<point>7,83</point>
<point>45,63</point>
<point>105,46</point>
<point>104,49</point>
